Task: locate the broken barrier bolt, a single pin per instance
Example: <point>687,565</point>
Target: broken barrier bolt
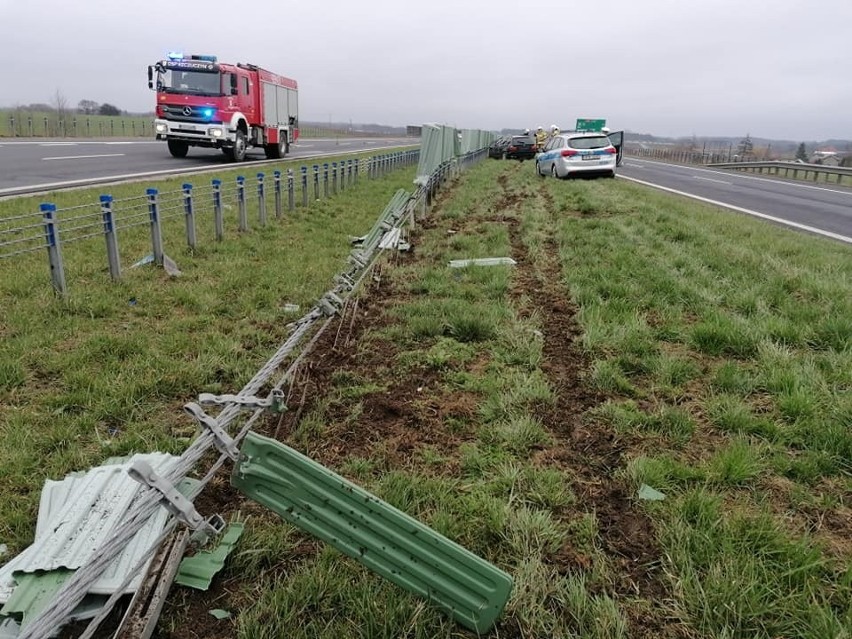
<point>224,443</point>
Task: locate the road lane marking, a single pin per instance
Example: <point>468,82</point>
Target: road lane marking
<point>57,144</point>
<point>638,166</point>
<point>772,218</point>
<point>698,177</point>
<point>84,157</point>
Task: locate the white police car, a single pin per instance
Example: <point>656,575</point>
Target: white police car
<point>580,153</point>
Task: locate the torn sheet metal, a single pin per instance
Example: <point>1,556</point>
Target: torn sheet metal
<point>77,515</point>
<point>33,593</point>
<point>198,571</point>
<point>394,240</point>
<point>36,590</point>
<point>390,239</point>
<point>9,628</point>
<point>483,261</point>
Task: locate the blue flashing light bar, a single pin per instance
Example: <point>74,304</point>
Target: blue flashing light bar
<point>174,55</point>
<point>208,113</point>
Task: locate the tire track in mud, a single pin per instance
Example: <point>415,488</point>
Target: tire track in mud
<point>591,454</point>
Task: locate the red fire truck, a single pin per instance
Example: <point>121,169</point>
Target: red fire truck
<point>201,102</point>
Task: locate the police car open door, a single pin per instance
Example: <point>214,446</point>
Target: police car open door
<point>617,139</point>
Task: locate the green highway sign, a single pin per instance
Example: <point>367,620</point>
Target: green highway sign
<point>585,124</point>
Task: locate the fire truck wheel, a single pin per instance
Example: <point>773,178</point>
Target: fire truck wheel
<point>237,153</point>
<point>279,150</point>
<point>178,148</point>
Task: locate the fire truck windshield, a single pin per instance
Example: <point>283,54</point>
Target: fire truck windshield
<point>190,82</point>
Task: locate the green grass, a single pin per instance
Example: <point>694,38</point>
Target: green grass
<point>106,371</point>
<point>756,320</point>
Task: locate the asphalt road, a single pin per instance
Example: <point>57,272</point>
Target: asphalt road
<point>825,208</point>
<point>41,164</point>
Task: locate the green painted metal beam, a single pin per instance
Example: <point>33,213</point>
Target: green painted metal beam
<point>371,531</point>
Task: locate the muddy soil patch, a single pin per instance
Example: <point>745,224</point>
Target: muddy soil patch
<point>590,453</point>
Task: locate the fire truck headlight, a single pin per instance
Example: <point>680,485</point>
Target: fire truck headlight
<point>162,127</point>
<point>215,132</point>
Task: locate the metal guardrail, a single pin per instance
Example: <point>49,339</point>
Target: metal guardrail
<point>724,161</point>
<point>775,168</point>
<point>216,430</point>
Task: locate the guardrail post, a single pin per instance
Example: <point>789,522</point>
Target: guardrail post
<point>241,202</point>
<point>189,215</point>
<point>54,248</point>
<point>349,168</point>
<point>316,181</point>
<point>342,178</point>
<point>334,178</point>
<point>325,179</point>
<point>305,186</point>
<point>218,222</point>
<point>277,179</point>
<point>291,190</point>
<point>111,238</point>
<point>357,164</point>
<point>156,231</point>
<point>261,200</point>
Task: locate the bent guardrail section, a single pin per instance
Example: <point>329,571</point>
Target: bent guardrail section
<point>226,431</point>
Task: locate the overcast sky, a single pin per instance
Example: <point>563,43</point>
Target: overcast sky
<point>771,68</point>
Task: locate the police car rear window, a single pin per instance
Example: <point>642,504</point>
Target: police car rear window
<point>590,142</point>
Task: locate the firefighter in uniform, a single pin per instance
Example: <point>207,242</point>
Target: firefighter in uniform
<point>540,138</point>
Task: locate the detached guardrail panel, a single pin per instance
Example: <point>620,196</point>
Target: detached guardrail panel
<point>371,531</point>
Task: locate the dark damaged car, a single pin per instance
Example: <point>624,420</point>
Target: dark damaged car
<point>521,147</point>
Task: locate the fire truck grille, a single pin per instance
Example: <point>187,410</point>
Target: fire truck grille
<point>183,113</point>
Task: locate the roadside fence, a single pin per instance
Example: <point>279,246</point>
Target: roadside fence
<point>157,214</point>
<point>45,124</point>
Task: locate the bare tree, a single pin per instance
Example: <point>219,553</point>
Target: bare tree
<point>60,103</point>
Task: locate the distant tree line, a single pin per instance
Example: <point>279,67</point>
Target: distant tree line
<point>60,106</point>
<point>90,107</point>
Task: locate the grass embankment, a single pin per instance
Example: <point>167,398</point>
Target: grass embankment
<point>640,340</point>
<point>107,372</point>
